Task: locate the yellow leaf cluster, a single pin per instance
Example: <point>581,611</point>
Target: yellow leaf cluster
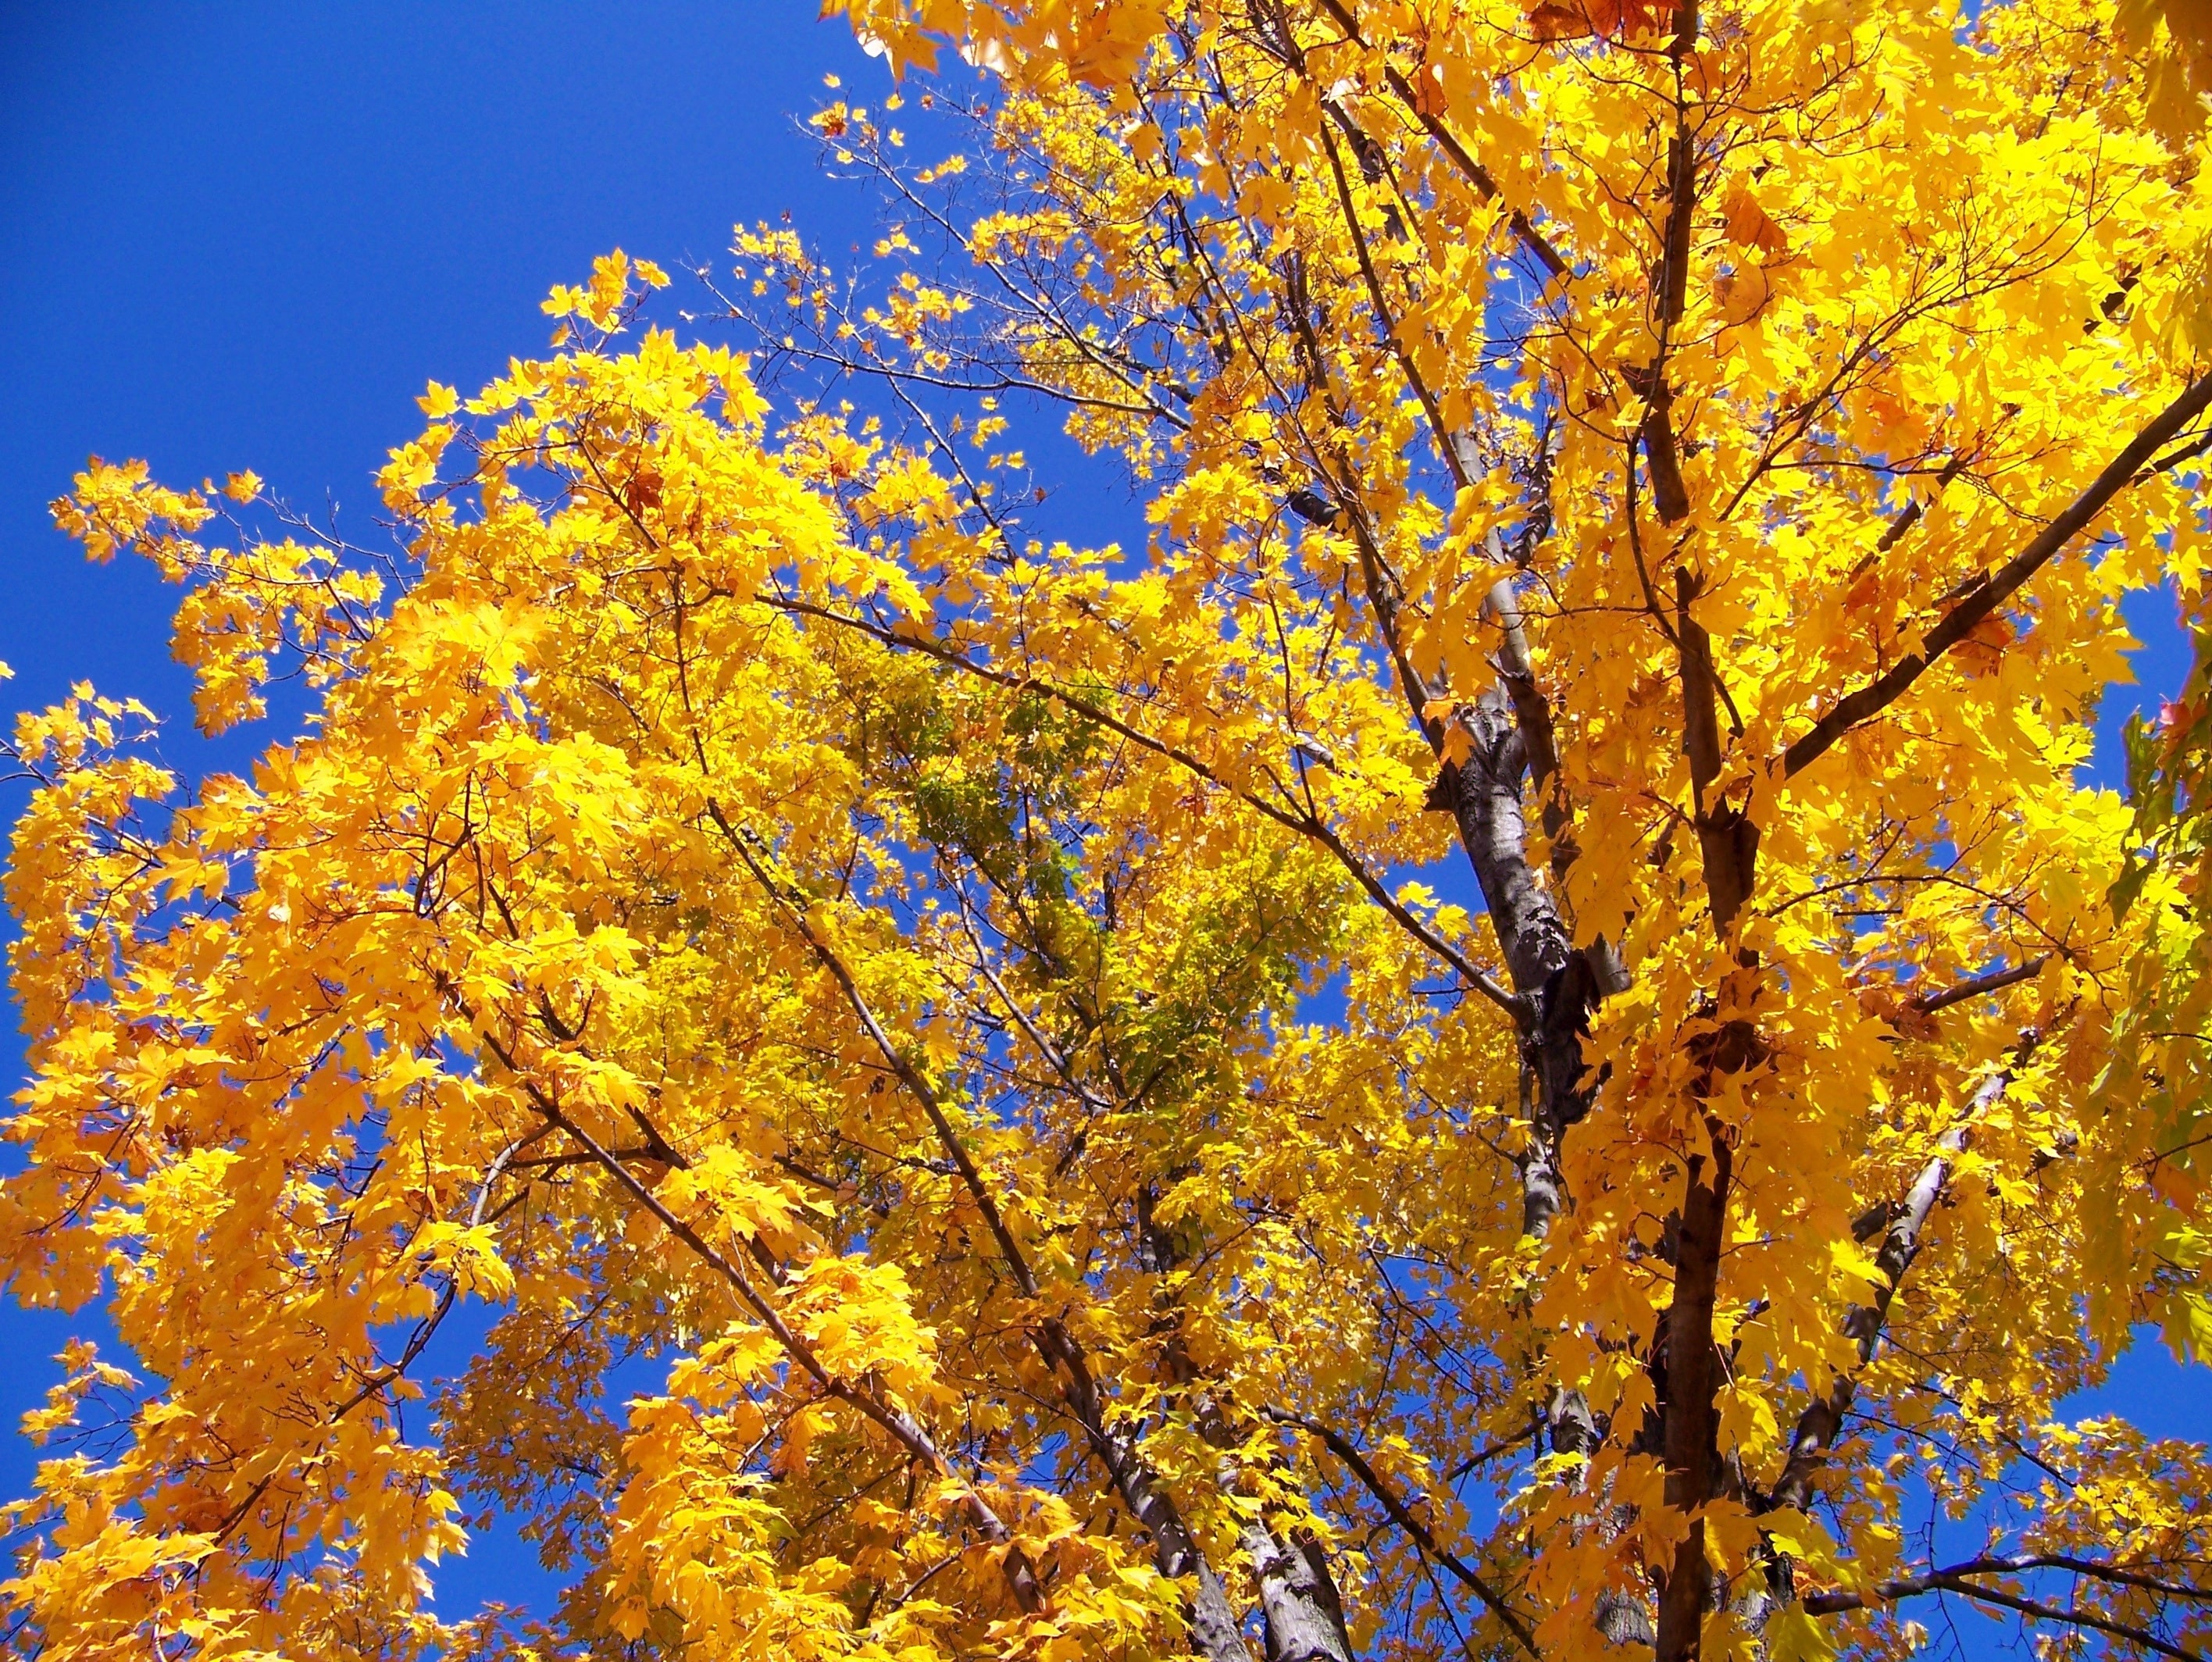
<point>1517,1034</point>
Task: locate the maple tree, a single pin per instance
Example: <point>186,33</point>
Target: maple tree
<point>999,1027</point>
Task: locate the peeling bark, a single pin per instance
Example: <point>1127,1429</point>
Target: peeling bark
<point>1215,1633</point>
<point>1298,1598</point>
<point>1557,985</point>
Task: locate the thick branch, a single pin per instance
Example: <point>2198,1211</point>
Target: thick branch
<point>1877,696</point>
<point>2096,1569</point>
<point>1557,983</point>
<point>1727,839</point>
<point>1693,1377</point>
<point>1517,670</point>
<point>1995,981</point>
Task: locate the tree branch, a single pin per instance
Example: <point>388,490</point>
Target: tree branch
<point>1404,1517</point>
<point>1175,1549</point>
<point>1877,696</point>
<point>1305,824</point>
<point>1955,1579</point>
<point>903,1427</point>
<point>1474,172</point>
<point>1995,981</point>
<point>1819,1426</point>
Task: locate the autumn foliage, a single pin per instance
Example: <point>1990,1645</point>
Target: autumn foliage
<point>1516,1036</point>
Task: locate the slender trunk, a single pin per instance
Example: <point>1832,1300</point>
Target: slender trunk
<point>1556,983</point>
<point>1822,1422</point>
<point>1299,1602</point>
<point>1215,1633</point>
<point>1559,984</point>
<point>1692,1420</point>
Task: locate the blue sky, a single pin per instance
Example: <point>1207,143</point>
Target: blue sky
<point>245,234</point>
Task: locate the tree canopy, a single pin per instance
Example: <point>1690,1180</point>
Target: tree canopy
<point>1518,1037</point>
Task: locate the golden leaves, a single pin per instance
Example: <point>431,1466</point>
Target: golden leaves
<point>1610,18</point>
<point>608,299</point>
<point>2172,39</point>
<point>751,910</point>
<point>116,506</point>
<point>1747,224</point>
<point>1980,653</point>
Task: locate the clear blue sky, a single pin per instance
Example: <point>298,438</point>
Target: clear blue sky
<point>245,234</point>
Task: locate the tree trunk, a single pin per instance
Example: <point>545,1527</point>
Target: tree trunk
<point>1298,1597</point>
<point>1690,1420</point>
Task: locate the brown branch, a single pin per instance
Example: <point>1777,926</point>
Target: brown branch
<point>1484,1456</point>
<point>1727,838</point>
<point>1404,1517</point>
<point>1383,316</point>
<point>1690,1423</point>
<point>1995,981</point>
<point>894,1056</point>
<point>1385,593</point>
<point>1663,457</point>
<point>893,1420</point>
<point>1910,515</point>
<point>2118,1574</point>
<point>1475,173</point>
<point>1955,1580</point>
<point>1877,696</point>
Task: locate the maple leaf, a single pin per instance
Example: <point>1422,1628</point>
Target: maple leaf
<point>1000,1034</point>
